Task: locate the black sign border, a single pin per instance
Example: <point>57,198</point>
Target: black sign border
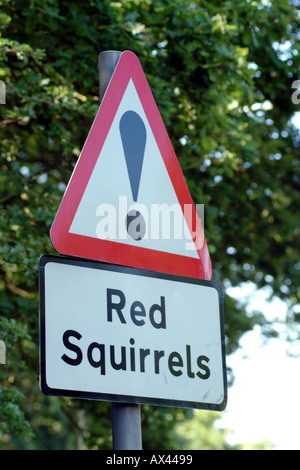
<point>117,397</point>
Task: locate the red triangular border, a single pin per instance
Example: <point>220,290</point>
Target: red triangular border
<point>80,246</point>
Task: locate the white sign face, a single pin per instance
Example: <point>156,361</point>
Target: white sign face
<point>123,334</point>
<point>113,187</point>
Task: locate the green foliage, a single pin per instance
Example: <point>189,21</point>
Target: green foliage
<point>12,419</point>
<point>222,75</point>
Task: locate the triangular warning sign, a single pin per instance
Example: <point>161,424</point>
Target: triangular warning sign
<point>127,201</point>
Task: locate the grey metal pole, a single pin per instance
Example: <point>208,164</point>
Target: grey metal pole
<point>107,61</point>
<point>126,425</point>
<point>126,417</point>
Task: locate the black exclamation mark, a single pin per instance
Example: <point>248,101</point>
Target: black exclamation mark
<point>133,136</point>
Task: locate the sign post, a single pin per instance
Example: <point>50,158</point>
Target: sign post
<point>126,426</point>
<point>130,315</point>
<point>126,417</point>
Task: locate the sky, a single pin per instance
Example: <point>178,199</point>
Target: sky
<point>263,402</point>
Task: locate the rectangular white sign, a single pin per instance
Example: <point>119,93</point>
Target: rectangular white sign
<point>123,334</point>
